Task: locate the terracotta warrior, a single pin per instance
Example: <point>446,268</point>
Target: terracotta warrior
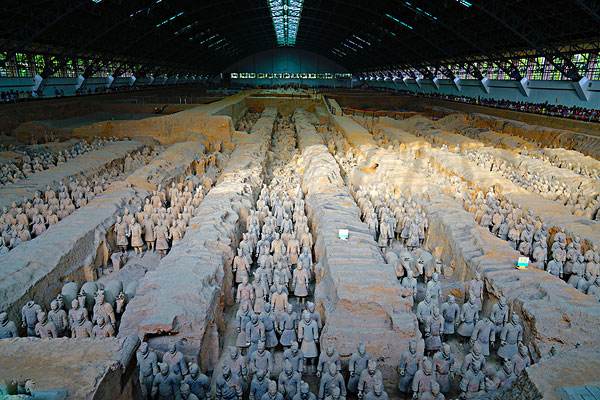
<point>409,364</point>
<point>356,365</point>
<point>137,242</point>
<point>174,359</point>
<point>329,356</point>
<point>29,317</point>
<point>483,333</point>
<point>59,318</point>
<point>255,333</point>
<point>369,378</point>
<point>272,392</point>
<point>259,385</point>
<point>288,323</point>
<point>198,383</point>
<point>289,381</point>
<point>101,308</point>
<point>103,328</point>
<point>330,380</point>
<point>82,328</point>
<point>469,315</point>
<point>443,367</point>
<point>308,335</point>
<point>237,364</point>
<point>450,313</point>
<point>377,394</point>
<point>147,362</point>
<point>261,359</point>
<point>8,329</point>
<point>122,231</point>
<point>423,379</point>
<point>305,393</point>
<point>510,338</point>
<point>227,388</point>
<point>295,356</point>
<point>165,385</point>
<point>300,280</point>
<point>75,311</point>
<point>44,328</point>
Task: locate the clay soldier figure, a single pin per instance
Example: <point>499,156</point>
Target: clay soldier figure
<point>335,394</point>
<point>272,393</point>
<point>288,323</point>
<point>484,335</point>
<point>435,288</point>
<point>369,378</point>
<point>245,292</point>
<point>410,282</point>
<point>76,311</point>
<point>377,394</point>
<point>165,385</point>
<point>122,231</point>
<point>259,385</point>
<point>101,308</point>
<point>238,366</point>
<point>295,356</point>
<point>424,310</point>
<point>269,323</point>
<point>44,328</point>
<point>443,367</point>
<point>242,317</point>
<point>174,359</point>
<point>8,329</point>
<point>423,379</point>
<point>329,356</point>
<point>506,376</point>
<point>147,362</point>
<point>149,234</point>
<point>331,379</point>
<point>82,327</point>
<point>120,303</point>
<point>197,382</point>
<point>450,313</point>
<point>255,333</point>
<point>162,234</point>
<point>261,359</point>
<point>308,335</point>
<point>240,266</point>
<point>185,392</point>
<point>475,290</point>
<point>521,360</point>
<point>102,328</point>
<point>136,237</point>
<point>434,393</point>
<point>279,301</point>
<point>468,317</point>
<point>357,364</point>
<point>29,317</point>
<point>227,388</point>
<point>300,281</point>
<point>499,315</point>
<point>472,382</point>
<point>434,326</point>
<point>474,357</point>
<point>289,381</point>
<point>409,364</point>
<point>59,318</point>
<point>510,337</point>
<point>305,393</point>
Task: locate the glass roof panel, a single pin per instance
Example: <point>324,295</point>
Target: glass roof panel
<point>286,19</point>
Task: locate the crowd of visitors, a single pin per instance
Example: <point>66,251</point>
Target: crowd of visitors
<point>555,110</point>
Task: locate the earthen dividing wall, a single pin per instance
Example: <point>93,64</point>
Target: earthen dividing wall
<point>356,291</point>
<point>183,299</point>
<point>36,269</point>
<point>86,164</point>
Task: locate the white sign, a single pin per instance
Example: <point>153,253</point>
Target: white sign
<point>343,234</point>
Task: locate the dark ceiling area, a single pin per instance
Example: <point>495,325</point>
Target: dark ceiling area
<point>207,36</point>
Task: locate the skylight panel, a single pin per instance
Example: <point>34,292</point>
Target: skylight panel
<point>464,3</point>
<point>396,20</point>
<point>286,19</point>
<point>166,21</point>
